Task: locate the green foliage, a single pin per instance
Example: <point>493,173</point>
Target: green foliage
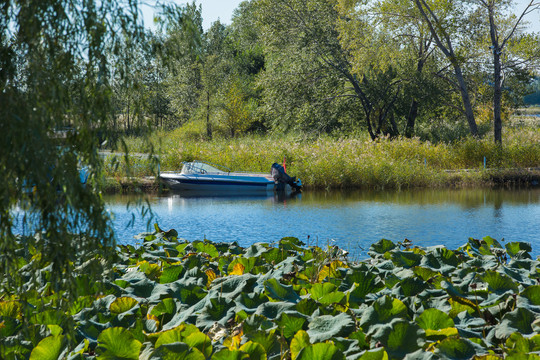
<point>57,60</point>
<point>473,303</point>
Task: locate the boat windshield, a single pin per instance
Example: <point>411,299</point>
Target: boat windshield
<point>198,167</point>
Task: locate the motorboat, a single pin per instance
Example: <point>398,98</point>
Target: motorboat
<point>202,176</point>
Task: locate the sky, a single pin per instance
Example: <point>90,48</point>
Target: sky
<point>213,10</point>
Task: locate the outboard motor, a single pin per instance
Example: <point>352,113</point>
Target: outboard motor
<point>281,177</point>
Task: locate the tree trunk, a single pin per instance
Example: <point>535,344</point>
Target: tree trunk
<point>497,96</point>
<point>469,113</point>
<point>411,119</point>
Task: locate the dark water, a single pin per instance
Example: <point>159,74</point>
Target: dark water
<point>352,220</point>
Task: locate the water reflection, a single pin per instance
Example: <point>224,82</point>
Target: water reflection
<point>351,219</point>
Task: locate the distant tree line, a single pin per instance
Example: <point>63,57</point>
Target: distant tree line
<point>387,67</point>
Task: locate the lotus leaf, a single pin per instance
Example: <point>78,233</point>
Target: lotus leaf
<point>382,246</point>
<point>404,337</point>
<point>458,349</point>
<point>412,286</point>
<point>325,293</point>
<point>519,320</point>
<point>514,248</point>
<point>10,309</point>
<point>290,243</point>
<point>254,350</point>
<point>324,327</point>
<point>532,293</point>
<point>499,283</point>
<point>307,306</point>
<point>277,291</point>
<point>290,324</point>
<point>122,304</point>
<point>174,351</point>
<point>49,348</point>
<point>205,247</point>
<point>299,341</point>
<point>247,263</point>
<point>170,274</point>
<point>406,259</point>
<point>378,354</point>
<point>434,319</point>
<point>267,339</point>
<point>272,310</point>
<point>331,270</point>
<point>460,304</point>
<point>321,351</point>
<point>164,311</point>
<point>382,311</point>
<point>227,354</point>
<point>116,342</point>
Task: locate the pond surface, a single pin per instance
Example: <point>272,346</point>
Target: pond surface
<point>351,220</point>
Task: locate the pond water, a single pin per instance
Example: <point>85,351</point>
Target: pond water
<point>351,220</point>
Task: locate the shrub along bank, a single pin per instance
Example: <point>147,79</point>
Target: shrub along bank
<point>355,163</point>
<point>174,299</point>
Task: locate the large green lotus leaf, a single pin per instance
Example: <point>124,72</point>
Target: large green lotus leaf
<point>499,283</point>
<point>9,326</point>
<point>518,343</point>
<point>170,274</point>
<point>226,354</point>
<point>425,273</point>
<point>256,250</point>
<point>48,348</point>
<point>191,294</point>
<point>377,354</point>
<point>412,286</point>
<point>252,300</point>
<point>116,342</point>
<point>216,309</point>
<point>290,324</point>
<point>165,310</point>
<point>199,341</point>
<point>122,304</point>
<point>291,243</point>
<point>532,293</point>
<point>175,351</point>
<point>325,293</point>
<point>434,319</point>
<point>406,259</point>
<point>178,334</point>
<point>50,317</point>
<point>257,322</point>
<point>446,256</point>
<point>247,263</point>
<point>367,284</point>
<point>514,248</point>
<point>272,310</point>
<point>307,306</point>
<point>324,327</point>
<point>382,311</point>
<point>382,246</point>
<point>519,320</point>
<point>10,309</point>
<point>403,338</point>
<point>299,341</point>
<point>206,247</point>
<point>267,339</point>
<point>254,350</point>
<point>277,291</point>
<point>321,351</point>
<point>274,255</point>
<point>458,349</point>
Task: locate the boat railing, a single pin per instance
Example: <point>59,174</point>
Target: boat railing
<point>200,167</point>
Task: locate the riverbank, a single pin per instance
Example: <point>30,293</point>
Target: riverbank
<point>171,298</point>
<point>342,163</point>
<point>489,178</point>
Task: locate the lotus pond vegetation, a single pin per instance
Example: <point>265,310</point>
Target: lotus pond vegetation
<point>173,299</point>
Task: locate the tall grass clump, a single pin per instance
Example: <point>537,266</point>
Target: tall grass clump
<point>355,162</point>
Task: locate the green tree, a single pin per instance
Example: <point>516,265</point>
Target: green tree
<point>509,46</point>
<point>446,23</point>
<point>55,105</point>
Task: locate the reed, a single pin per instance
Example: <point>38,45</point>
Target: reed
<point>329,162</point>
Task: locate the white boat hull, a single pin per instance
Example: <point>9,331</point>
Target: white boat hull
<point>218,183</point>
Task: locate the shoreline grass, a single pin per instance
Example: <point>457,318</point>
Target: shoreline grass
<point>344,163</point>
